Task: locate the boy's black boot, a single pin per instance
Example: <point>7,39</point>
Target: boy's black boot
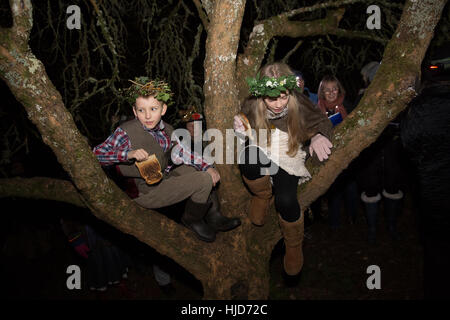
<point>193,219</point>
<point>215,219</point>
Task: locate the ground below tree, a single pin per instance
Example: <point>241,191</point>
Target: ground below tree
<point>35,256</point>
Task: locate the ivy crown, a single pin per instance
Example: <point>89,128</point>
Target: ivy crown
<point>144,87</point>
<point>271,87</point>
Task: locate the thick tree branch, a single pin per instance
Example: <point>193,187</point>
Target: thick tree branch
<point>41,188</point>
<point>149,224</point>
<point>332,4</point>
<point>353,34</point>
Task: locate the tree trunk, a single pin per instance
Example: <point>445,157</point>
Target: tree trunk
<point>236,265</point>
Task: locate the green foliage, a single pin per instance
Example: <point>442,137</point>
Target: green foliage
<point>271,87</point>
<point>144,87</point>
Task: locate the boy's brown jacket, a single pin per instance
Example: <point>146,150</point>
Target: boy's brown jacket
<point>141,139</point>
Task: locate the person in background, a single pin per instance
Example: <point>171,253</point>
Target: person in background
<point>303,89</point>
<point>194,123</point>
<point>381,172</point>
<point>336,107</point>
<point>424,134</point>
<point>107,263</point>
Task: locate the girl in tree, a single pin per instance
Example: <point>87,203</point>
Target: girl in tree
<point>289,121</point>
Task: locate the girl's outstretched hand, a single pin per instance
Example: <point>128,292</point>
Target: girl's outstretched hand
<point>238,125</point>
<point>321,146</point>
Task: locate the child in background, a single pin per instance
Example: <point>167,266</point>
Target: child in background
<point>193,121</point>
<point>333,104</point>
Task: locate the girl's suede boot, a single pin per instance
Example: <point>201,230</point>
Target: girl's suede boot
<point>293,233</point>
<point>260,202</point>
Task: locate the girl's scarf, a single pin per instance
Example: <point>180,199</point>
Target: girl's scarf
<point>330,108</point>
<point>272,115</point>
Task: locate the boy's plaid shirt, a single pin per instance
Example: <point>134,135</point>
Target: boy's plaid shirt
<point>116,147</point>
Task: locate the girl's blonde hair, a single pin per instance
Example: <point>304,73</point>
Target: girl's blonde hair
<point>255,109</point>
<point>328,79</point>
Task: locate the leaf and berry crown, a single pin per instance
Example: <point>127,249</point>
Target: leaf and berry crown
<point>144,87</point>
<point>271,87</point>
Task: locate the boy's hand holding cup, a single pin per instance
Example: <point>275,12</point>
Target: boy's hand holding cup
<point>139,155</point>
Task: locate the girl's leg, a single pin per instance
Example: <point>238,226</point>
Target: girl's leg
<point>252,164</point>
<point>285,190</point>
<point>291,220</point>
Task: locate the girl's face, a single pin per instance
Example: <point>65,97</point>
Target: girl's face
<point>149,111</point>
<point>277,104</point>
<point>331,91</point>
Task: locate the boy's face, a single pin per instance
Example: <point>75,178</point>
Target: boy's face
<point>149,111</point>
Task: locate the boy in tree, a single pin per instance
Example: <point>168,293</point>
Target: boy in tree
<point>149,136</point>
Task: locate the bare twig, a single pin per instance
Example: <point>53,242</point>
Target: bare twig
<point>294,49</point>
